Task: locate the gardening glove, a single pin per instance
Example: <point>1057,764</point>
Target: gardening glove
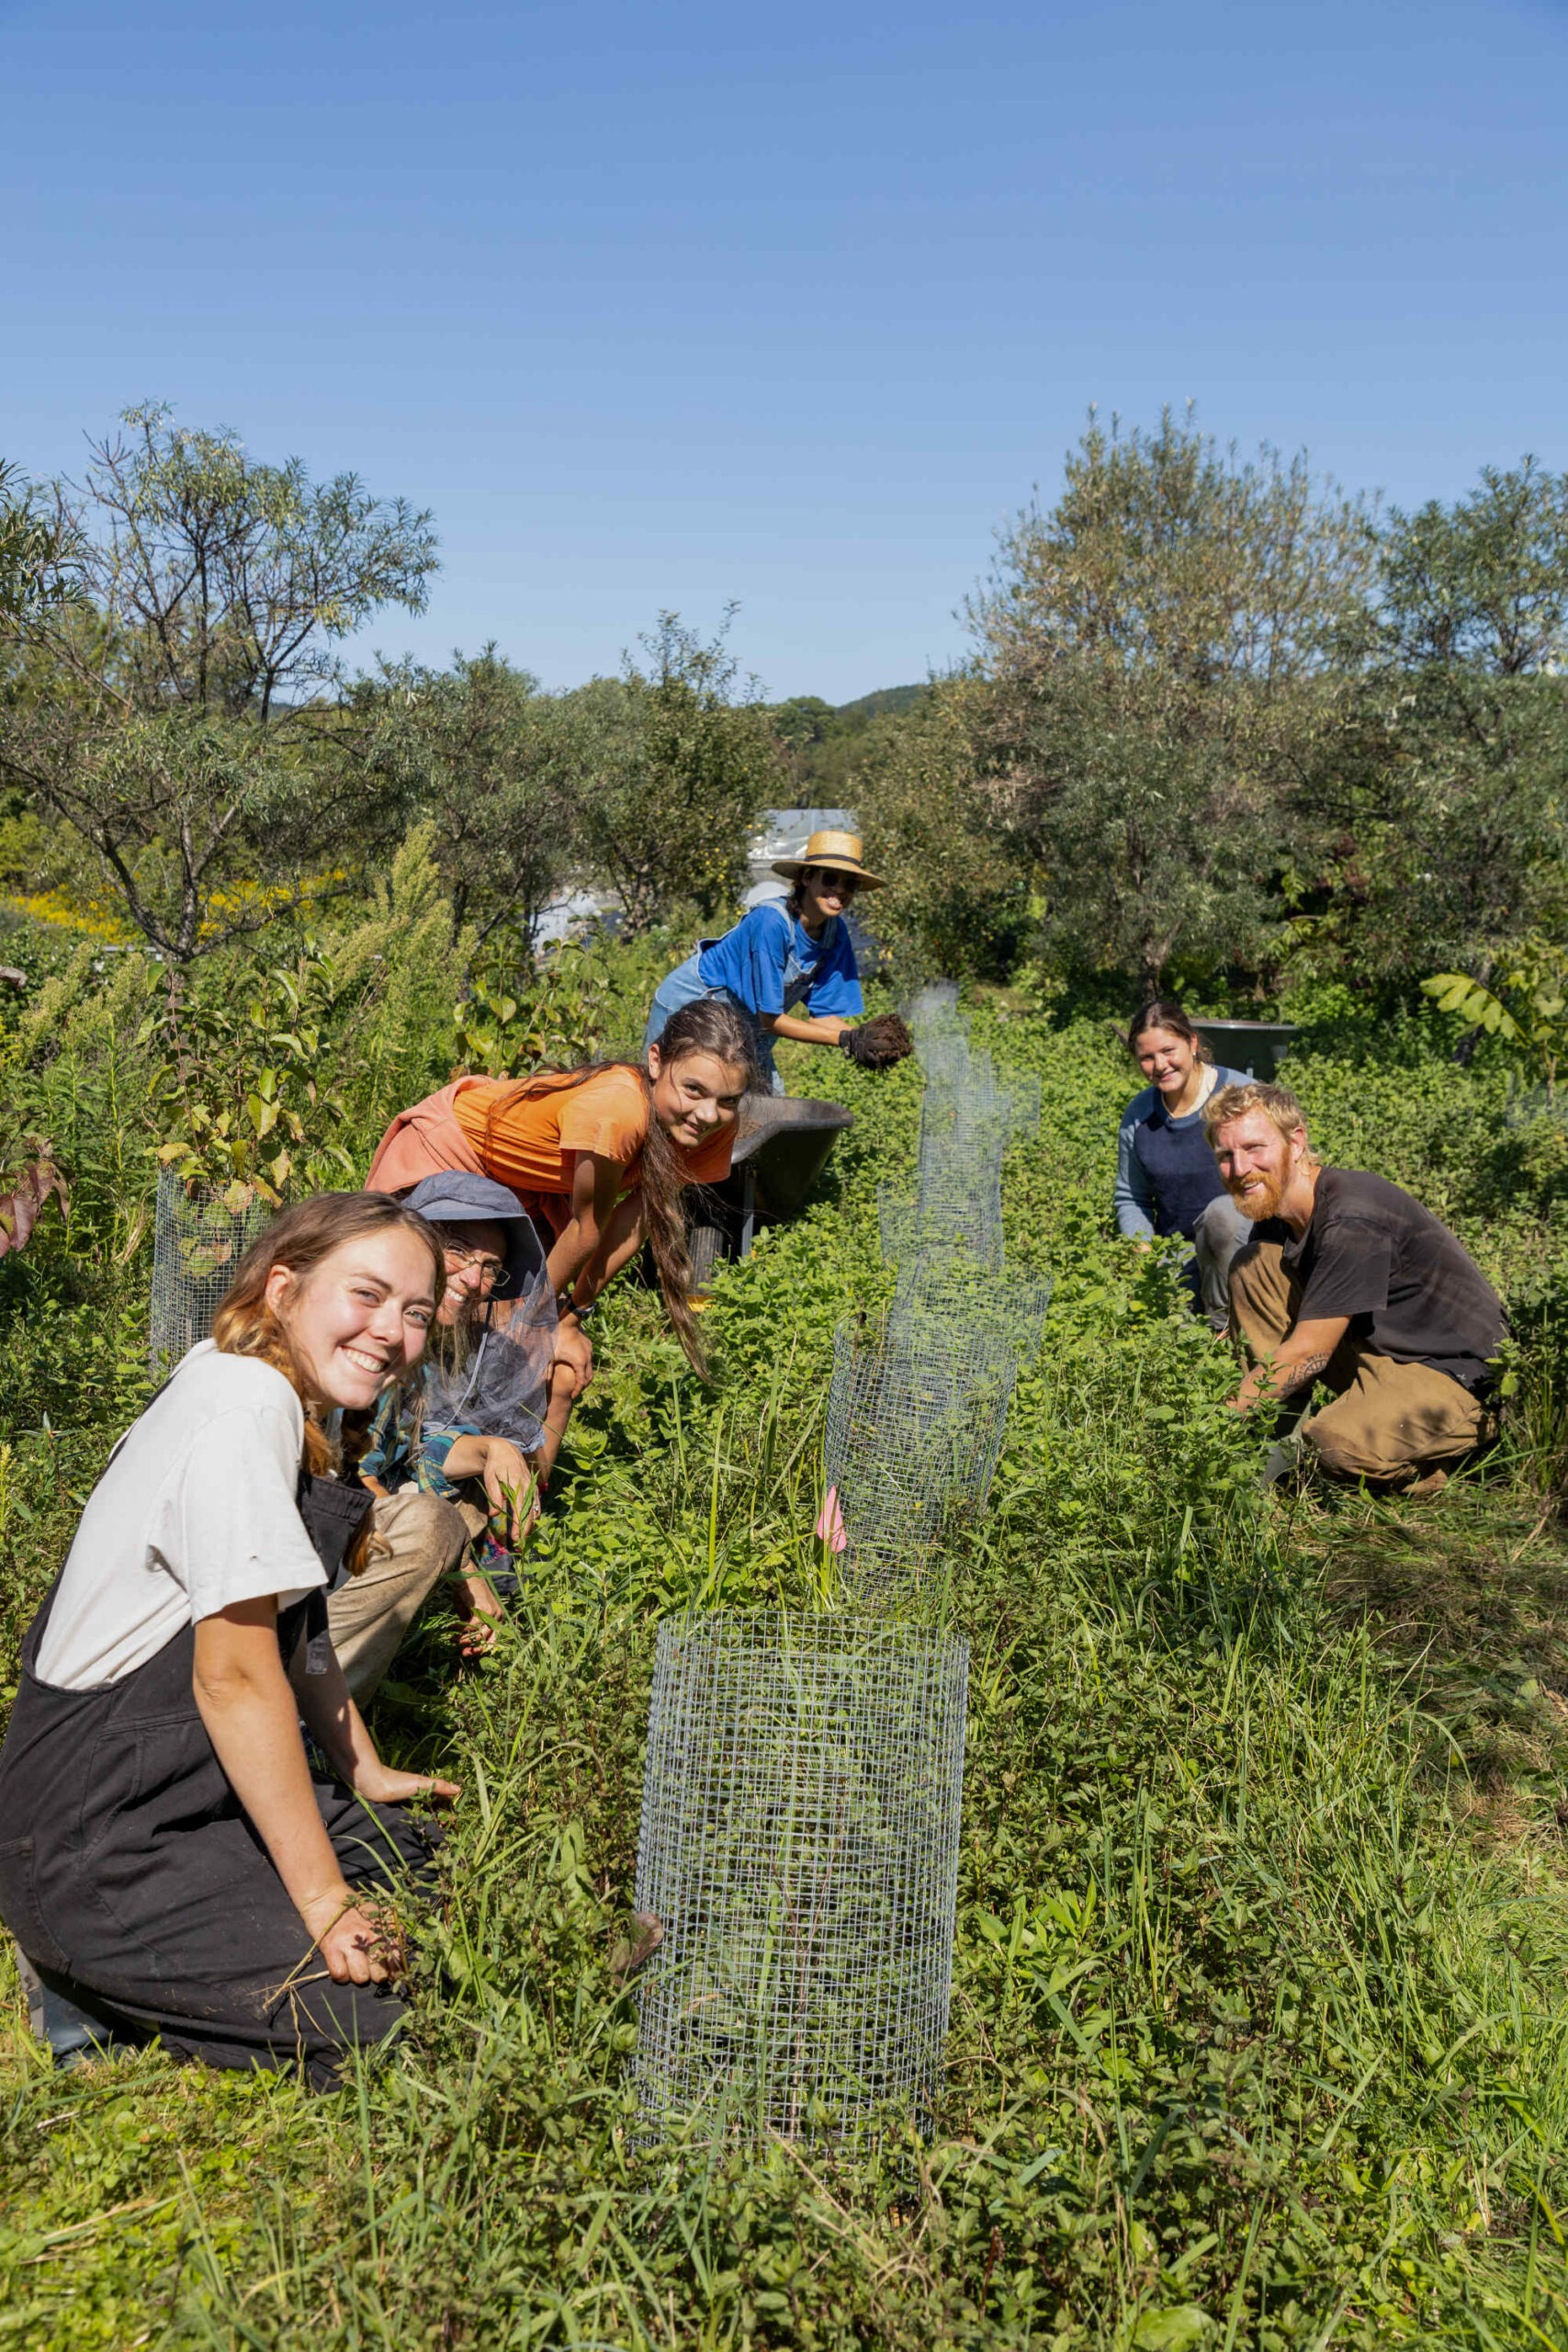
<point>878,1043</point>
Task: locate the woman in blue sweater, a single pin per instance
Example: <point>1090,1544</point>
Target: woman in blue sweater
<point>785,953</point>
<point>1166,1178</point>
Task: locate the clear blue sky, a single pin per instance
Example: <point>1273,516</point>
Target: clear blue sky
<point>670,305</point>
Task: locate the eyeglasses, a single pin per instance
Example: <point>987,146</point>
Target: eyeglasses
<point>489,1270</point>
<point>844,886</point>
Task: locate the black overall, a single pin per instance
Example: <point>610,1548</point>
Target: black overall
<point>134,1882</point>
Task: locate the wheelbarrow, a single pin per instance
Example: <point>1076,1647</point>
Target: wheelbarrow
<point>781,1146</point>
<point>1255,1046</point>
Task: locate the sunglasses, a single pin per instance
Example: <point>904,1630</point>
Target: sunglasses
<point>828,877</point>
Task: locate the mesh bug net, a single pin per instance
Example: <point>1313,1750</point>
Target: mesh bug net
<point>199,1236</point>
<point>799,1843</point>
<point>916,1417</point>
<point>496,1381</point>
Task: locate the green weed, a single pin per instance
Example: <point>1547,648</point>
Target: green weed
<point>1258,2033</point>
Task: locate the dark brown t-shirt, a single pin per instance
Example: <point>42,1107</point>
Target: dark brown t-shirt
<point>1409,1289</point>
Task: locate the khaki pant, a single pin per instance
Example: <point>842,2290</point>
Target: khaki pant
<point>1389,1421</point>
<point>421,1538</point>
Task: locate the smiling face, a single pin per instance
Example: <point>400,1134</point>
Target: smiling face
<point>1167,1061</point>
<point>1258,1165</point>
<point>824,892</point>
<point>360,1318</point>
<point>695,1096</point>
<point>476,1262</point>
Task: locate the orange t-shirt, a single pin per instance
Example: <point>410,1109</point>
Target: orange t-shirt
<point>530,1142</point>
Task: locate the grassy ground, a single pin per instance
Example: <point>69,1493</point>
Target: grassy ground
<point>1258,2032</point>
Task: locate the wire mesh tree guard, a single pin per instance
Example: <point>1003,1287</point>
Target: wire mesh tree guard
<point>933,1008</point>
<point>959,1213</point>
<point>200,1237</point>
<point>916,1420</point>
<point>968,1104</point>
<point>799,1843</point>
<point>946,1291</point>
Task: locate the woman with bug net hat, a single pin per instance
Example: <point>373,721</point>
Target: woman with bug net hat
<point>789,953</point>
<point>458,1455</point>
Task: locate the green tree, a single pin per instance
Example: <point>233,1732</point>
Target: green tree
<point>33,574</point>
<point>960,900</point>
<point>675,765</point>
<point>225,582</point>
<point>172,711</point>
<point>1437,830</point>
<point>490,762</point>
<point>1158,648</point>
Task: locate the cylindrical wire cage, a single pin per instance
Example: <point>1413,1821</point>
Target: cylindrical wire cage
<point>200,1236</point>
<point>944,1291</point>
<point>799,1844</point>
<point>963,1214</point>
<point>916,1420</point>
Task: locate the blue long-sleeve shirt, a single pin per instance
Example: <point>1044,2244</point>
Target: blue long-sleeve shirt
<point>1166,1175</point>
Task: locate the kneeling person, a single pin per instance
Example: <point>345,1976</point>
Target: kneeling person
<point>458,1455</point>
<point>1350,1280</point>
<point>175,1860</point>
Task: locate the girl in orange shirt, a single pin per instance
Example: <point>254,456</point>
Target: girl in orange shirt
<point>598,1156</point>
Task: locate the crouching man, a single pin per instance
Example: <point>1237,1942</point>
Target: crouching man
<point>1350,1280</point>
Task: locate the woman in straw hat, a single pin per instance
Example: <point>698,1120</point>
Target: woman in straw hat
<point>786,953</point>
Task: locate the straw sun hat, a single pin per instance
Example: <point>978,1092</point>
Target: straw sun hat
<point>838,852</point>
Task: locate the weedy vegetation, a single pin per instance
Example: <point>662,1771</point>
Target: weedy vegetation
<point>1258,2035</point>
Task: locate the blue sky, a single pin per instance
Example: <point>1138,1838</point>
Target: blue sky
<point>679,305</point>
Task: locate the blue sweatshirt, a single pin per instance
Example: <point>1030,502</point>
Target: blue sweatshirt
<point>1166,1175</point>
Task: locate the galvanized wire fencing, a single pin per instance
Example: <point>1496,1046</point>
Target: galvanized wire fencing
<point>799,1844</point>
<point>918,1409</point>
<point>916,1414</point>
<point>200,1237</point>
<point>801,1799</point>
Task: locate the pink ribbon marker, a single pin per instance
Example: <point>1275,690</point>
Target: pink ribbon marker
<point>831,1526</point>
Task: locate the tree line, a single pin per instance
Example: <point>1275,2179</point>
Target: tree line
<point>1221,724</point>
<point>179,735</point>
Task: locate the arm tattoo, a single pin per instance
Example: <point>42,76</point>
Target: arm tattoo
<point>1299,1375</point>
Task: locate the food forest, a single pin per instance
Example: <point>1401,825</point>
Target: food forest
<point>1254,1891</point>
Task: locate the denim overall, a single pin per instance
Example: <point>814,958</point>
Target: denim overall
<point>685,984</point>
<point>134,1882</point>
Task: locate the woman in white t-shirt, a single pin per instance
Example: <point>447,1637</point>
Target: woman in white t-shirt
<point>170,1862</point>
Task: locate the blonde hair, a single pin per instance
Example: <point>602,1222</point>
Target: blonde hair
<point>1278,1105</point>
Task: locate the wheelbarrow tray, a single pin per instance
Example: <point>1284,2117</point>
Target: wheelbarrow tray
<point>785,1144</point>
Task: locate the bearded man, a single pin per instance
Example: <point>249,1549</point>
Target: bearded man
<point>1350,1280</point>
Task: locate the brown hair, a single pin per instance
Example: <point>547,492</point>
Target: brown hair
<point>1164,1012</point>
<point>1275,1102</point>
<point>299,1239</point>
<point>709,1024</point>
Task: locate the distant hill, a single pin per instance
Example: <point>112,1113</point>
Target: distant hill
<point>885,698</point>
<point>821,743</point>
